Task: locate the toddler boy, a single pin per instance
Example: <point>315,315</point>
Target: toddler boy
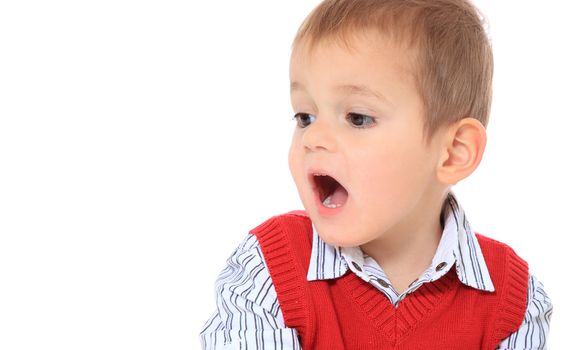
<point>392,98</point>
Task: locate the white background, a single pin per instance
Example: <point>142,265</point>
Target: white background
<point>141,140</point>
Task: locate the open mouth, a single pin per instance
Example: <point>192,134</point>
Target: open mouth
<point>331,193</point>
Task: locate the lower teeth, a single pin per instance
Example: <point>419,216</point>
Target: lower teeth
<point>327,203</point>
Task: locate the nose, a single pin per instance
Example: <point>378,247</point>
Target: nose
<point>318,136</point>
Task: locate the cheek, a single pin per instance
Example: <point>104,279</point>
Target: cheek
<point>294,161</point>
<point>389,172</point>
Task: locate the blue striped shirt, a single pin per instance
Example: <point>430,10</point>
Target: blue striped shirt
<point>248,314</point>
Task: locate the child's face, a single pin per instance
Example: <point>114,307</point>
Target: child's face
<point>386,169</point>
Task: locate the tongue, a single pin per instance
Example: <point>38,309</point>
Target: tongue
<point>339,196</point>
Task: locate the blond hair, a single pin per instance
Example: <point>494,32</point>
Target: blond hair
<point>453,63</point>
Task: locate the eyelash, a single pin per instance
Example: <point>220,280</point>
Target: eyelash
<point>299,116</point>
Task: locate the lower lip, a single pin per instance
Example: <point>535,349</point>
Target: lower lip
<point>324,211</point>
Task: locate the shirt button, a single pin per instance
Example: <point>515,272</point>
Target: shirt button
<point>441,266</point>
<point>357,266</point>
<point>383,283</point>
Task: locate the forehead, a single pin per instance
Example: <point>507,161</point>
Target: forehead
<point>351,63</point>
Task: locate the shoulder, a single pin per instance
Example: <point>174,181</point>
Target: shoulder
<point>502,260</point>
<point>485,240</point>
<point>510,275</point>
<point>508,271</point>
<point>288,218</point>
<point>533,332</point>
<point>247,257</point>
<point>286,241</point>
<point>246,278</point>
<point>493,249</point>
<point>292,229</point>
<point>247,306</point>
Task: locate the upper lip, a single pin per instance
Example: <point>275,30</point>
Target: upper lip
<point>319,171</point>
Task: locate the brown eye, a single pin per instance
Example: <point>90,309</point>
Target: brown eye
<point>304,119</point>
<point>360,120</point>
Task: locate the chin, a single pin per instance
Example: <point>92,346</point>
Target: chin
<point>339,239</point>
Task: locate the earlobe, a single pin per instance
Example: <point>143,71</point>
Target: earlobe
<point>463,151</point>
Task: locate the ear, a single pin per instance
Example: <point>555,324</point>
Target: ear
<point>462,152</point>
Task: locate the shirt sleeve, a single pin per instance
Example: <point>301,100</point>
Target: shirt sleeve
<point>248,315</point>
<point>533,333</point>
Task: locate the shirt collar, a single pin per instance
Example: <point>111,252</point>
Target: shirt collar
<point>458,245</point>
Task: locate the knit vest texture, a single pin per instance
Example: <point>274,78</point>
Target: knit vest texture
<point>349,313</point>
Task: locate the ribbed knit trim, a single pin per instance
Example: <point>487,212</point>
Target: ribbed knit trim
<point>513,304</point>
<point>416,307</point>
<point>283,266</point>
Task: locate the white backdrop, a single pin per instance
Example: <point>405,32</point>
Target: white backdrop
<point>141,140</point>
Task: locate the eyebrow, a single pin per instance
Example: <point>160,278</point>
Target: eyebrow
<point>361,90</point>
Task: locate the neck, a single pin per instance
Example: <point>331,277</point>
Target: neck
<point>407,250</point>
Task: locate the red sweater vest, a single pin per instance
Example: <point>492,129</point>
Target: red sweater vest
<point>348,313</point>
